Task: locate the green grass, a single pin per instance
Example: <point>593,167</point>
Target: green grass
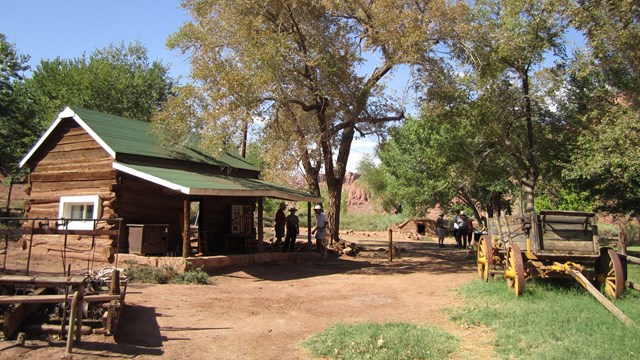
<point>551,320</point>
<point>382,341</point>
<point>361,222</point>
<point>164,275</point>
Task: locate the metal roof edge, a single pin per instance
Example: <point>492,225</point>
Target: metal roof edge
<point>150,178</point>
<point>93,134</point>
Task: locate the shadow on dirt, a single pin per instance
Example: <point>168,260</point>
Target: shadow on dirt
<point>374,260</point>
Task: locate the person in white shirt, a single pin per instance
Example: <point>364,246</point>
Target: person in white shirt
<point>320,230</point>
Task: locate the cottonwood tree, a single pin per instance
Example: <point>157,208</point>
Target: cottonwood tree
<point>449,152</point>
<point>311,73</point>
<point>119,80</point>
<point>509,43</point>
<point>604,92</point>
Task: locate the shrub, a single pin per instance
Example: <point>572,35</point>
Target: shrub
<point>164,275</point>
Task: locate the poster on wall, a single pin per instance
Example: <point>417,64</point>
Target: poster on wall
<point>236,219</point>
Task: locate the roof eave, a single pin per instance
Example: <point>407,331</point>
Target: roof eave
<point>66,113</point>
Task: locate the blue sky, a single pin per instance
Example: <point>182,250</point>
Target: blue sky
<point>46,29</point>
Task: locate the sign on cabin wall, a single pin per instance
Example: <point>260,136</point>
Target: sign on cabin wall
<point>241,219</point>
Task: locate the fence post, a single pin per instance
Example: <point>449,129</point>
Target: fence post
<point>390,245</point>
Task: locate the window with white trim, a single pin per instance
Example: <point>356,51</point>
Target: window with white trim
<point>80,210</point>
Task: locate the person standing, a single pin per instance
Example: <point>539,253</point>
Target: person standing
<point>463,229</point>
<point>320,230</point>
<point>482,228</point>
<point>280,221</point>
<point>293,229</point>
<point>470,231</point>
<point>440,229</point>
<point>456,229</point>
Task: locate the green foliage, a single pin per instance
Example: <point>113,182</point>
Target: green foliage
<point>612,29</point>
<point>18,124</point>
<point>538,324</point>
<point>382,341</point>
<point>164,275</point>
<point>566,199</point>
<point>606,163</point>
<point>312,72</point>
<point>196,277</point>
<point>117,80</point>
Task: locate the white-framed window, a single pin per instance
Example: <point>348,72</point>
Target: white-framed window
<point>80,210</point>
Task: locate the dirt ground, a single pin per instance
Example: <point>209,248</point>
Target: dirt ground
<point>265,311</point>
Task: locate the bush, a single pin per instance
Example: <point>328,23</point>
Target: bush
<point>164,275</point>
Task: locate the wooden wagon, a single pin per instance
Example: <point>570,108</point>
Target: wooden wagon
<point>549,244</point>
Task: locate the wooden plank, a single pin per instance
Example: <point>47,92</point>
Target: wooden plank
<point>33,299</point>
<point>74,175</point>
<point>51,231</point>
<point>563,245</point>
<point>41,280</point>
<point>15,316</point>
<point>567,235</point>
<point>566,213</point>
<point>568,226</point>
<point>603,300</point>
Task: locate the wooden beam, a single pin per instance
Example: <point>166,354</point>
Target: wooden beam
<point>260,223</point>
<point>42,281</point>
<point>53,299</point>
<point>54,231</point>
<point>185,228</point>
<point>15,316</point>
<point>598,295</point>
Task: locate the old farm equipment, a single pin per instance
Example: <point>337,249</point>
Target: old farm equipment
<point>551,244</point>
<point>69,303</point>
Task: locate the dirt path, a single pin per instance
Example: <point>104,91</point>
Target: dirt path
<point>265,311</point>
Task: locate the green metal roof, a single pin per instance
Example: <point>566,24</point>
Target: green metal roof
<point>193,183</point>
<point>119,135</point>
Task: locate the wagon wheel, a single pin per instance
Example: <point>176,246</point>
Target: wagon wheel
<point>514,271</point>
<point>485,258</point>
<point>609,273</point>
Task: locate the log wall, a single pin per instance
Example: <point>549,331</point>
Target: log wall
<point>142,202</point>
<point>70,163</point>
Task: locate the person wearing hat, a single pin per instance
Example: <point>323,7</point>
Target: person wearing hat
<point>320,230</point>
<point>293,229</point>
<point>280,221</point>
<point>440,229</point>
<point>463,230</point>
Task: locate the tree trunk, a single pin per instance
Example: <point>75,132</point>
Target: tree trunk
<point>334,193</point>
<point>532,171</point>
<point>622,236</point>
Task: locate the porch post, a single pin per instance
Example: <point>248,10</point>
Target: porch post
<point>260,223</point>
<point>185,229</point>
<point>309,224</point>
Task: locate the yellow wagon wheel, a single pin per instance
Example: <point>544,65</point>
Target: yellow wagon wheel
<point>514,271</point>
<point>609,273</point>
<point>485,258</point>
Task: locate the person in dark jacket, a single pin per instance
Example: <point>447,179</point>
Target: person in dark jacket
<point>293,229</point>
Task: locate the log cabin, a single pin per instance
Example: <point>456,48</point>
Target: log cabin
<point>91,170</point>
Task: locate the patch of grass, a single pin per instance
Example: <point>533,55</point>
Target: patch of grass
<point>364,222</point>
<point>165,275</point>
<point>551,320</point>
<point>382,341</point>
